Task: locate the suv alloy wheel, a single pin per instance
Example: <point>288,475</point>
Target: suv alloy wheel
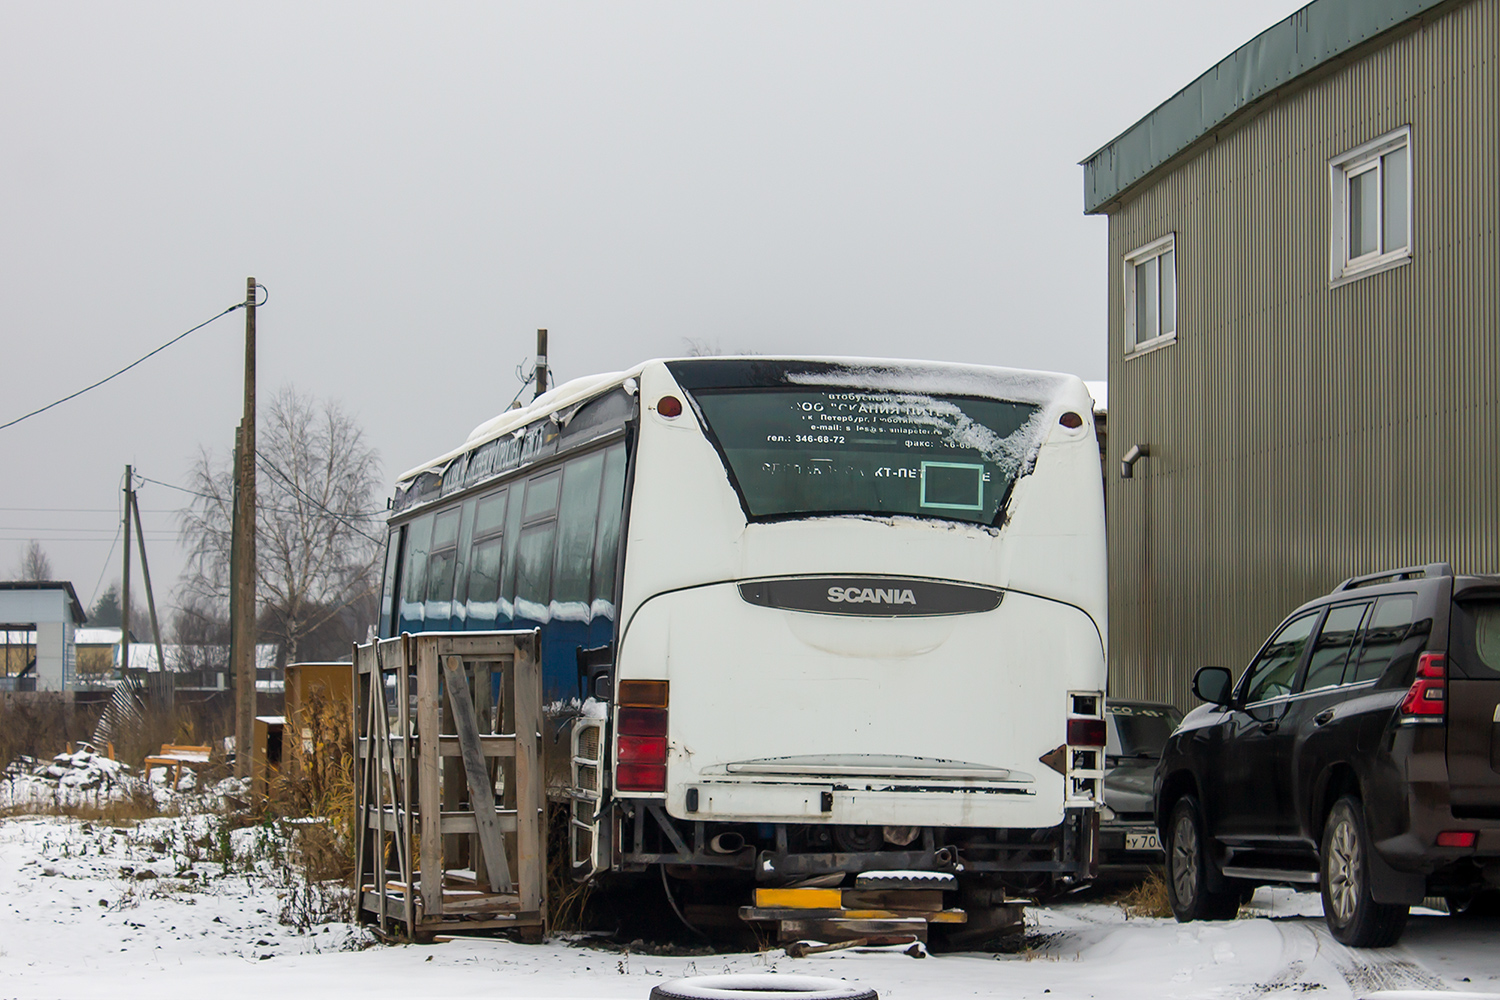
<point>1352,913</point>
<point>1188,864</point>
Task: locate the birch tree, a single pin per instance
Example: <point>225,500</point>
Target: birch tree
<point>317,530</point>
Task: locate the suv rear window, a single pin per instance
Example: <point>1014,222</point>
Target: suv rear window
<point>1475,638</point>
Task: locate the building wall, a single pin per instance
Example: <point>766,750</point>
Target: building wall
<point>1301,434</point>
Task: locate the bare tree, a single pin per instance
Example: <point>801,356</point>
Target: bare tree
<point>316,531</point>
<point>35,566</point>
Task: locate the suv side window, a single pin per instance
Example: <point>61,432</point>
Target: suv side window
<point>1274,671</point>
<point>1338,636</point>
<point>1389,624</point>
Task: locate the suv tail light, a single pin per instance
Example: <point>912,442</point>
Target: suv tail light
<point>641,737</point>
<point>1427,698</point>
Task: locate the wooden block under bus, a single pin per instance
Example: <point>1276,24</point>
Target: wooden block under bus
<point>801,899</point>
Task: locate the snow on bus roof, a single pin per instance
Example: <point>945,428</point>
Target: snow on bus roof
<point>876,373</point>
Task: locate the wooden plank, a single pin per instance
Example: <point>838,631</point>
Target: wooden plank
<point>807,899</point>
<point>464,822</point>
<point>523,919</point>
<point>361,766</point>
<point>461,903</point>
<point>894,899</point>
<point>489,746</point>
<point>481,793</point>
<point>429,781</point>
<point>484,719</point>
<point>531,801</point>
<point>392,659</point>
<point>403,722</point>
<point>490,646</point>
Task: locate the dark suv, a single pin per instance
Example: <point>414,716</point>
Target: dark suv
<point>1360,751</point>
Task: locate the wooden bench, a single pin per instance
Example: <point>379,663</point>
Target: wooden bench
<point>174,756</point>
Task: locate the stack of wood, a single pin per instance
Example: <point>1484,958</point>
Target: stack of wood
<point>882,908</point>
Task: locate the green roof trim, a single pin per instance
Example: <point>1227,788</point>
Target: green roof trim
<point>1322,31</point>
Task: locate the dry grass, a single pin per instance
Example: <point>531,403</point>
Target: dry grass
<point>316,786</point>
<point>1149,899</point>
<point>40,725</point>
<point>567,900</point>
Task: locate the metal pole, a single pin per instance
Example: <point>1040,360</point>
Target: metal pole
<point>125,586</point>
<point>541,362</point>
<point>167,685</point>
<point>243,583</point>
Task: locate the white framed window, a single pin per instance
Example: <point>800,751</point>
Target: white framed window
<point>1370,210</point>
<point>1151,295</point>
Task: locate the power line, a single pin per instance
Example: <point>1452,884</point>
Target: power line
<point>122,371</point>
<point>297,490</point>
<point>80,510</point>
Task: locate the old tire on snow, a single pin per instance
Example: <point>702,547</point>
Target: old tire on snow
<point>1350,910</point>
<point>1188,866</point>
<point>760,986</point>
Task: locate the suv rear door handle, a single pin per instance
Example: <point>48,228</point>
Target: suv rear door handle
<point>1270,725</point>
<point>1323,718</point>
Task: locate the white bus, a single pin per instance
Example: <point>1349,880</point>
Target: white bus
<point>814,616</point>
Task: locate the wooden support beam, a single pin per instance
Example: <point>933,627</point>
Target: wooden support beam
<point>481,792</point>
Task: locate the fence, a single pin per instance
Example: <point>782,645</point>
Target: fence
<point>444,723</point>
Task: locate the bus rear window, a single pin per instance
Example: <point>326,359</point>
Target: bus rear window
<point>807,452</point>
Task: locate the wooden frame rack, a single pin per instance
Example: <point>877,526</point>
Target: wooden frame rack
<point>450,796</point>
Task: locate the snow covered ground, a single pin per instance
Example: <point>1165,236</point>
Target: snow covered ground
<point>87,910</point>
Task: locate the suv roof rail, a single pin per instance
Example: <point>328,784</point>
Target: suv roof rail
<point>1405,573</point>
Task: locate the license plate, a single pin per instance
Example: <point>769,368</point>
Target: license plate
<point>1142,842</point>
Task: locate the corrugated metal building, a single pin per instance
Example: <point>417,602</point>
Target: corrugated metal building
<point>1304,287</point>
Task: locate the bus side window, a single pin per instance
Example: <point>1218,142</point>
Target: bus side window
<point>441,563</point>
<point>575,535</point>
<point>607,544</point>
<point>388,586</point>
<point>513,511</point>
<point>414,575</point>
<point>485,559</point>
<point>534,547</point>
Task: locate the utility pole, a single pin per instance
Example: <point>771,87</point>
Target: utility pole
<point>125,586</point>
<point>168,686</point>
<point>242,601</point>
<point>541,362</point>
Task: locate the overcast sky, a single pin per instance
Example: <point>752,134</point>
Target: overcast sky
<point>421,186</point>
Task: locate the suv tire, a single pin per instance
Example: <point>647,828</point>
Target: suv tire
<point>1351,911</point>
<point>1188,867</point>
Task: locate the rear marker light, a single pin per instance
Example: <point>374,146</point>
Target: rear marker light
<point>643,749</point>
<point>651,694</point>
<point>1086,732</point>
<point>642,722</point>
<point>1071,420</point>
<point>1457,838</point>
<point>1426,699</point>
<point>641,777</point>
<point>641,737</point>
<point>669,406</point>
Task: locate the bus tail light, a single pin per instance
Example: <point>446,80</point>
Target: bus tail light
<point>641,737</point>
<point>1085,747</point>
<point>1426,700</point>
<point>1085,732</point>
